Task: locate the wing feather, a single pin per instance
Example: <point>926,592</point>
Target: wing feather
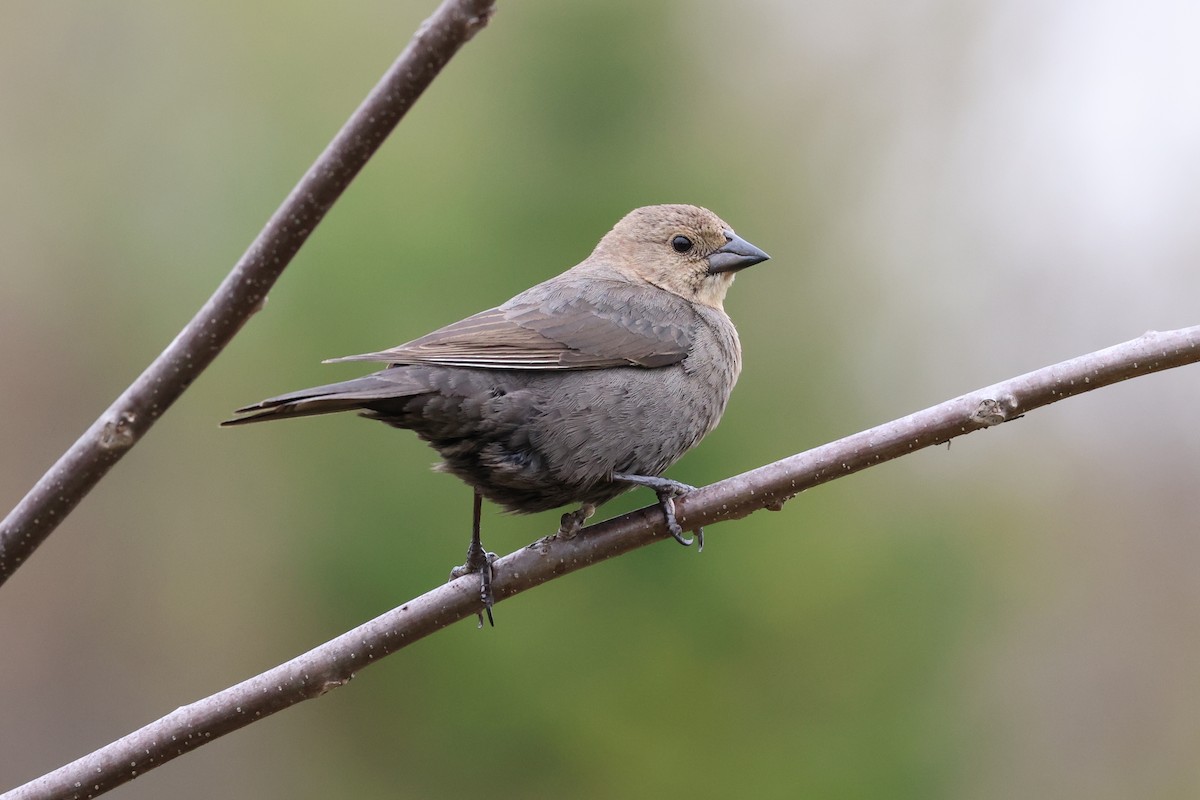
<point>550,332</point>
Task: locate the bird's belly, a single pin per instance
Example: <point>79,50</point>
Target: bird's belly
<point>581,427</point>
<point>533,441</point>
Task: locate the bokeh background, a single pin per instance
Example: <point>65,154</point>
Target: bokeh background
<point>953,193</point>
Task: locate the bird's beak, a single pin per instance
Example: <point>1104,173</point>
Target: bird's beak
<point>737,254</point>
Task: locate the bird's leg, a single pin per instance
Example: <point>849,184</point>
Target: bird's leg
<point>479,561</point>
<point>572,521</point>
<point>667,490</point>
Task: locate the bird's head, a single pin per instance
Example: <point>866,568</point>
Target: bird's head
<point>686,250</point>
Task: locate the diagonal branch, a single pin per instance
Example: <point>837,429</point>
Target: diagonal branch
<point>242,292</point>
<point>332,664</point>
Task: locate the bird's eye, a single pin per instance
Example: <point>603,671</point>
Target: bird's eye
<point>682,244</point>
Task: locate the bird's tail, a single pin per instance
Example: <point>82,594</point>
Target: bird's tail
<point>328,399</point>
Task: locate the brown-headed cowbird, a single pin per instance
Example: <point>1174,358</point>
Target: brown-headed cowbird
<point>575,390</point>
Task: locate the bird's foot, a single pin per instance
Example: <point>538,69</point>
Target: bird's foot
<point>479,561</point>
<point>667,490</point>
<point>572,521</point>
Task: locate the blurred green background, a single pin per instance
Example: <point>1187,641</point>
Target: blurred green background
<point>952,193</point>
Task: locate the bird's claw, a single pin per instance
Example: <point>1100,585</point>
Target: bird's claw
<point>479,561</point>
<point>572,521</point>
<point>667,490</point>
<point>667,501</point>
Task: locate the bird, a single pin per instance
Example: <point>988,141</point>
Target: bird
<point>575,390</point>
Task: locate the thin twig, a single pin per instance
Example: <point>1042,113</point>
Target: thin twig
<point>335,662</point>
<point>242,292</point>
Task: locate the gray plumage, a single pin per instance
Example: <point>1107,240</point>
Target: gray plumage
<point>619,365</point>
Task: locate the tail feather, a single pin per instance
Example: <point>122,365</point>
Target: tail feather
<point>329,399</point>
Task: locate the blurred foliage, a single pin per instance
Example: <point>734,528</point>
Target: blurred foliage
<point>950,625</point>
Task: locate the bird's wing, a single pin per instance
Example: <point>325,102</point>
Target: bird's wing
<point>575,333</point>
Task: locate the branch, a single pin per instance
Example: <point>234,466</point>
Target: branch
<point>332,664</point>
<point>243,291</point>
